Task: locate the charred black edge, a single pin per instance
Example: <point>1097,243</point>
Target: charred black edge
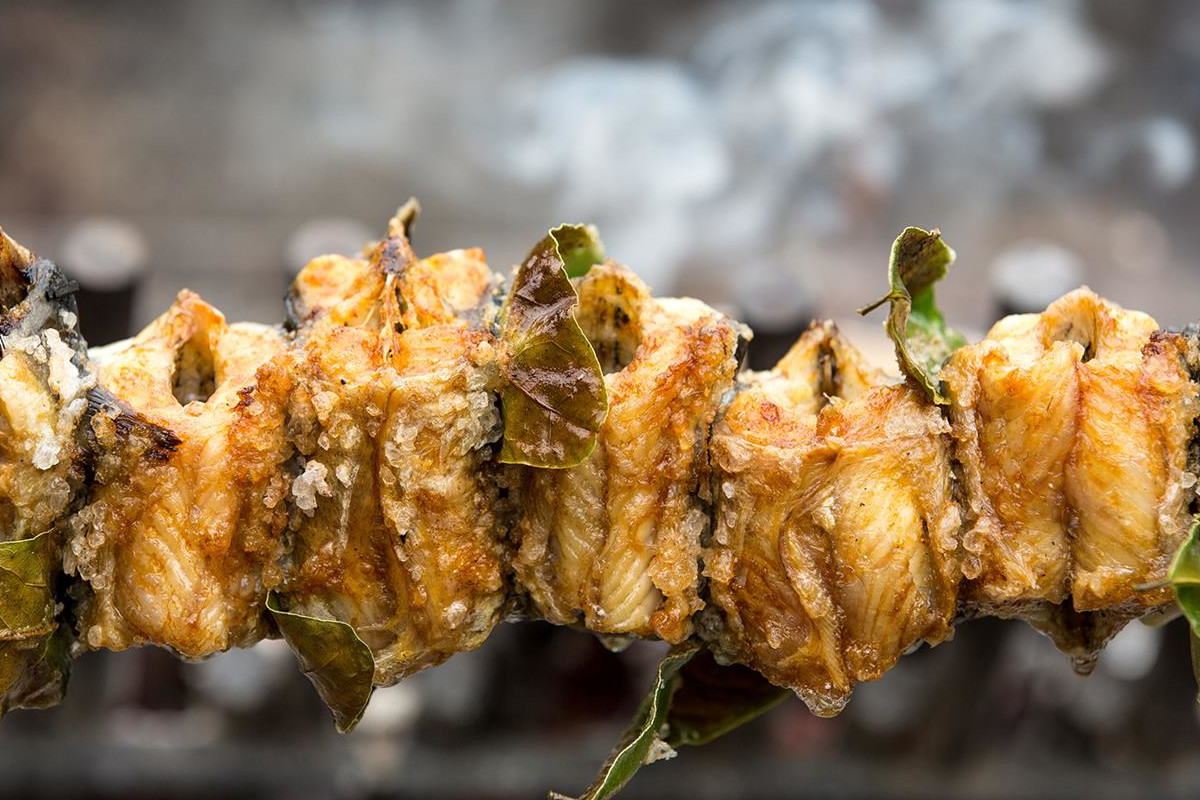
<point>295,313</point>
<point>709,622</point>
<point>831,371</point>
<point>44,292</point>
<point>391,256</point>
<point>127,422</point>
<point>1191,360</point>
<point>1079,635</point>
<point>742,351</point>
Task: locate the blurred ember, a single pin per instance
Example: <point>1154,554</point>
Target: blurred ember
<point>759,155</point>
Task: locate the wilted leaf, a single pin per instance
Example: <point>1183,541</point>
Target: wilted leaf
<point>338,663</point>
<point>553,398</point>
<point>693,701</point>
<point>27,570</point>
<point>923,340</point>
<point>712,700</point>
<point>34,671</point>
<point>1194,647</point>
<point>579,248</point>
<point>1184,578</point>
<point>34,652</point>
<point>642,743</point>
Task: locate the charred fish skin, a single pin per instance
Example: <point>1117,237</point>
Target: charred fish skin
<point>1072,428</point>
<point>614,543</point>
<point>44,385</point>
<point>1187,339</point>
<point>835,546</point>
<point>180,539</point>
<point>393,414</point>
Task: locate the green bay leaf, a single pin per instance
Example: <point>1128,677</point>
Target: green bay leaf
<point>692,701</point>
<point>333,657</point>
<point>27,571</point>
<point>643,741</point>
<point>34,672</point>
<point>579,248</point>
<point>1194,648</point>
<point>923,340</point>
<point>1184,579</point>
<point>1184,576</point>
<point>34,648</point>
<point>714,699</point>
<point>553,398</point>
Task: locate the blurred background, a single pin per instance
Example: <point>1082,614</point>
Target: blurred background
<point>758,155</point>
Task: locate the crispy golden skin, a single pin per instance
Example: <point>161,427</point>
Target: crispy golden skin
<point>393,410</point>
<point>1072,429</point>
<point>322,284</point>
<point>1125,481</point>
<point>180,539</point>
<point>835,544</point>
<point>614,542</point>
<point>1014,420</point>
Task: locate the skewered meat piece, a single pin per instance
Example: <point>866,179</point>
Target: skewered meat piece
<point>835,543</point>
<point>180,539</point>
<point>347,477</point>
<point>614,543</point>
<point>393,412</point>
<point>42,394</point>
<point>1072,427</point>
<point>43,401</point>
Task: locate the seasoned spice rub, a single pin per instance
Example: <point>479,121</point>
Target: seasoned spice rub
<point>180,539</point>
<point>392,412</point>
<point>835,545</point>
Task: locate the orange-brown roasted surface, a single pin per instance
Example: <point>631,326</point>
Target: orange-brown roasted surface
<point>814,522</point>
<point>180,539</point>
<point>1072,428</point>
<point>834,549</point>
<point>614,543</point>
<point>393,412</point>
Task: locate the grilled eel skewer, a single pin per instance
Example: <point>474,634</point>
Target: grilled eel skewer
<point>348,479</point>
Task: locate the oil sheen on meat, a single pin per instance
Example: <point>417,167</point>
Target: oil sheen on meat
<point>393,412</point>
<point>1072,428</point>
<point>614,543</point>
<point>835,545</point>
<point>180,540</point>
